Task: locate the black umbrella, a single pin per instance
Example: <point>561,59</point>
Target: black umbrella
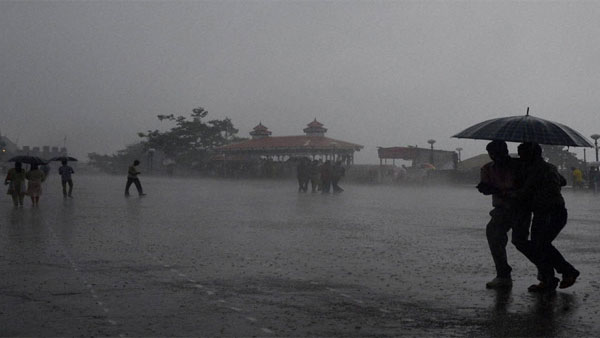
<point>28,160</point>
<point>525,129</point>
<point>63,158</point>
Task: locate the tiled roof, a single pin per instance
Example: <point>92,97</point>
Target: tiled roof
<point>291,142</point>
<point>315,123</point>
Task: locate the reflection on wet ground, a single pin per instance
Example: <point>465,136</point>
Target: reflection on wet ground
<point>255,258</point>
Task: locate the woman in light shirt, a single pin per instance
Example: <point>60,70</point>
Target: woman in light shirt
<point>35,177</point>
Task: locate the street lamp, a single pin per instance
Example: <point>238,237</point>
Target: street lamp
<point>431,142</point>
<point>596,137</point>
<point>459,149</point>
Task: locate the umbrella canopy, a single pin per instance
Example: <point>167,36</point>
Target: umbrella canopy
<point>28,160</point>
<point>63,158</point>
<point>525,129</point>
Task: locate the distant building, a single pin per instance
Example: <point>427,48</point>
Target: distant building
<point>440,159</point>
<point>10,149</point>
<point>314,144</point>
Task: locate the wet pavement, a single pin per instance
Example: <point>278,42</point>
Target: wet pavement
<point>204,257</point>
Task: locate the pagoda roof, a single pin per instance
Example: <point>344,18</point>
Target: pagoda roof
<point>300,142</point>
<point>260,126</point>
<point>315,123</point>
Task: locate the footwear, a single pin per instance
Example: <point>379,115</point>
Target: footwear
<point>499,283</point>
<point>142,194</point>
<point>544,287</point>
<point>568,279</point>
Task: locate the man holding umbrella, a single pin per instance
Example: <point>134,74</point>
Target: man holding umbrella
<point>498,178</point>
<point>541,193</point>
<point>65,173</point>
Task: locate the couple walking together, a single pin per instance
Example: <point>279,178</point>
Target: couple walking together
<point>526,198</point>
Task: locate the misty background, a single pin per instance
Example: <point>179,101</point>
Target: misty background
<point>374,73</point>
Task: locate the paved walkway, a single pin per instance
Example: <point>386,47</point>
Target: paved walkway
<point>203,257</point>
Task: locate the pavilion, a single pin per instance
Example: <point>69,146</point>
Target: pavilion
<point>313,144</point>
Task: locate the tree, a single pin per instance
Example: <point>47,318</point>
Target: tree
<point>561,157</point>
<point>191,141</point>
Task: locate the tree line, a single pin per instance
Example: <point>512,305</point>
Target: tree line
<point>189,143</point>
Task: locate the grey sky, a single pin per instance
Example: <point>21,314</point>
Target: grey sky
<point>375,73</point>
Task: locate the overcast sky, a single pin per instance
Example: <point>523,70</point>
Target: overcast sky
<point>377,73</point>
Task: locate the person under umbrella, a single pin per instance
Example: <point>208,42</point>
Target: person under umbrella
<point>541,193</point>
<point>35,177</point>
<point>497,179</point>
<point>65,172</point>
<point>15,179</point>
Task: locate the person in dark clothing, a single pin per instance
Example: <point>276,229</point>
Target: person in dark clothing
<point>498,178</point>
<point>541,193</point>
<point>65,172</point>
<point>337,172</point>
<point>315,176</point>
<point>132,177</point>
<point>326,172</point>
<point>303,175</point>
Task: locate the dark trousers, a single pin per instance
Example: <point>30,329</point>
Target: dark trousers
<point>496,231</point>
<point>336,187</point>
<point>302,184</point>
<point>315,183</point>
<point>545,227</point>
<point>137,183</point>
<point>64,187</point>
<point>325,185</point>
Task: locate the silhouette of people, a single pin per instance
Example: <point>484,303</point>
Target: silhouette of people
<point>497,178</point>
<point>326,172</point>
<point>132,177</point>
<point>15,179</point>
<point>65,172</point>
<point>541,193</point>
<point>303,174</point>
<point>35,177</point>
<point>337,172</point>
<point>315,176</point>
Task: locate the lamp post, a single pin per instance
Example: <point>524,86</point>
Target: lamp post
<point>431,142</point>
<point>151,158</point>
<point>596,137</point>
<point>459,149</point>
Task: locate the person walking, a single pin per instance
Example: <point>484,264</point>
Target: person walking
<point>577,178</point>
<point>541,192</point>
<point>132,177</point>
<point>326,177</point>
<point>315,179</point>
<point>65,173</point>
<point>499,177</point>
<point>35,177</point>
<point>337,172</point>
<point>303,174</point>
<point>15,179</point>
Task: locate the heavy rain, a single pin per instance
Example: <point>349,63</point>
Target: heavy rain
<point>299,169</point>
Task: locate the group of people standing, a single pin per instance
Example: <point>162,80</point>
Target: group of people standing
<point>21,182</point>
<point>526,197</point>
<point>323,177</point>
